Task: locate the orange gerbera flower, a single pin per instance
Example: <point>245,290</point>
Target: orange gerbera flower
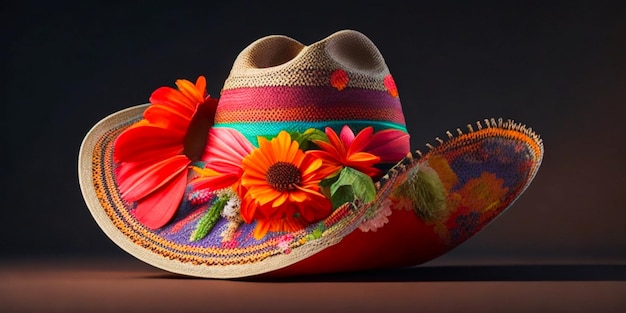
<point>282,187</point>
<point>155,153</point>
<point>347,150</point>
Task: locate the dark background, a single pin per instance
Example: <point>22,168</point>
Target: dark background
<point>559,67</point>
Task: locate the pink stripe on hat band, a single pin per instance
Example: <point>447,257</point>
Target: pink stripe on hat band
<point>297,96</point>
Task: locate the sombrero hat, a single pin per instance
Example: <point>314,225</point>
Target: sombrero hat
<point>302,166</point>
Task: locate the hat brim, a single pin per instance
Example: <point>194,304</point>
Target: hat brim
<point>502,155</point>
<point>96,177</point>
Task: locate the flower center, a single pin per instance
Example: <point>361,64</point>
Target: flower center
<point>283,176</point>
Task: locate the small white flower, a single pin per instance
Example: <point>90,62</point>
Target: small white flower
<point>231,209</point>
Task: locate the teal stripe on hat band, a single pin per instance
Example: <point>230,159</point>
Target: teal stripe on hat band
<point>251,130</point>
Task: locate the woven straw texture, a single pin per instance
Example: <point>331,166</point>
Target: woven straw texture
<point>282,61</point>
<point>279,84</point>
<point>208,258</point>
<point>519,157</point>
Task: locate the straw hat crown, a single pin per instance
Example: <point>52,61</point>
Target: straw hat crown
<point>279,60</point>
<point>340,80</point>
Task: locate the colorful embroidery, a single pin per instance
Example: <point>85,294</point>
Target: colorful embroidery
<point>482,172</point>
<point>390,84</point>
<point>425,191</point>
<point>234,242</point>
<point>280,184</point>
<point>284,243</point>
<point>283,196</point>
<point>372,223</point>
<point>339,79</point>
<point>296,181</point>
<point>296,157</point>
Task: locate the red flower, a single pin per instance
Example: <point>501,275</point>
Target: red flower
<point>347,150</point>
<point>391,145</point>
<point>362,151</point>
<point>155,153</point>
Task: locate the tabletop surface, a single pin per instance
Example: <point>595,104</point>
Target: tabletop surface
<point>127,285</point>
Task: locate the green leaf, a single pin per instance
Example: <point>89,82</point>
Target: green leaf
<point>326,183</point>
<point>329,181</point>
<point>208,220</point>
<point>305,140</point>
<point>427,193</point>
<point>319,230</point>
<point>343,194</point>
<point>352,184</point>
<point>312,134</point>
<point>317,233</point>
<point>294,134</point>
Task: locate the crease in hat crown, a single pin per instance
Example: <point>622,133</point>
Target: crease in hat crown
<point>278,60</point>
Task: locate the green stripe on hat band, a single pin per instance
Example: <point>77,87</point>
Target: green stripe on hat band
<point>251,130</point>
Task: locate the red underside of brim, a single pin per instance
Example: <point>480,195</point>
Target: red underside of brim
<point>404,241</point>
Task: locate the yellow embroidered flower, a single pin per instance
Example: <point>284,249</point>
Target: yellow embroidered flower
<point>483,193</point>
<point>443,169</point>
